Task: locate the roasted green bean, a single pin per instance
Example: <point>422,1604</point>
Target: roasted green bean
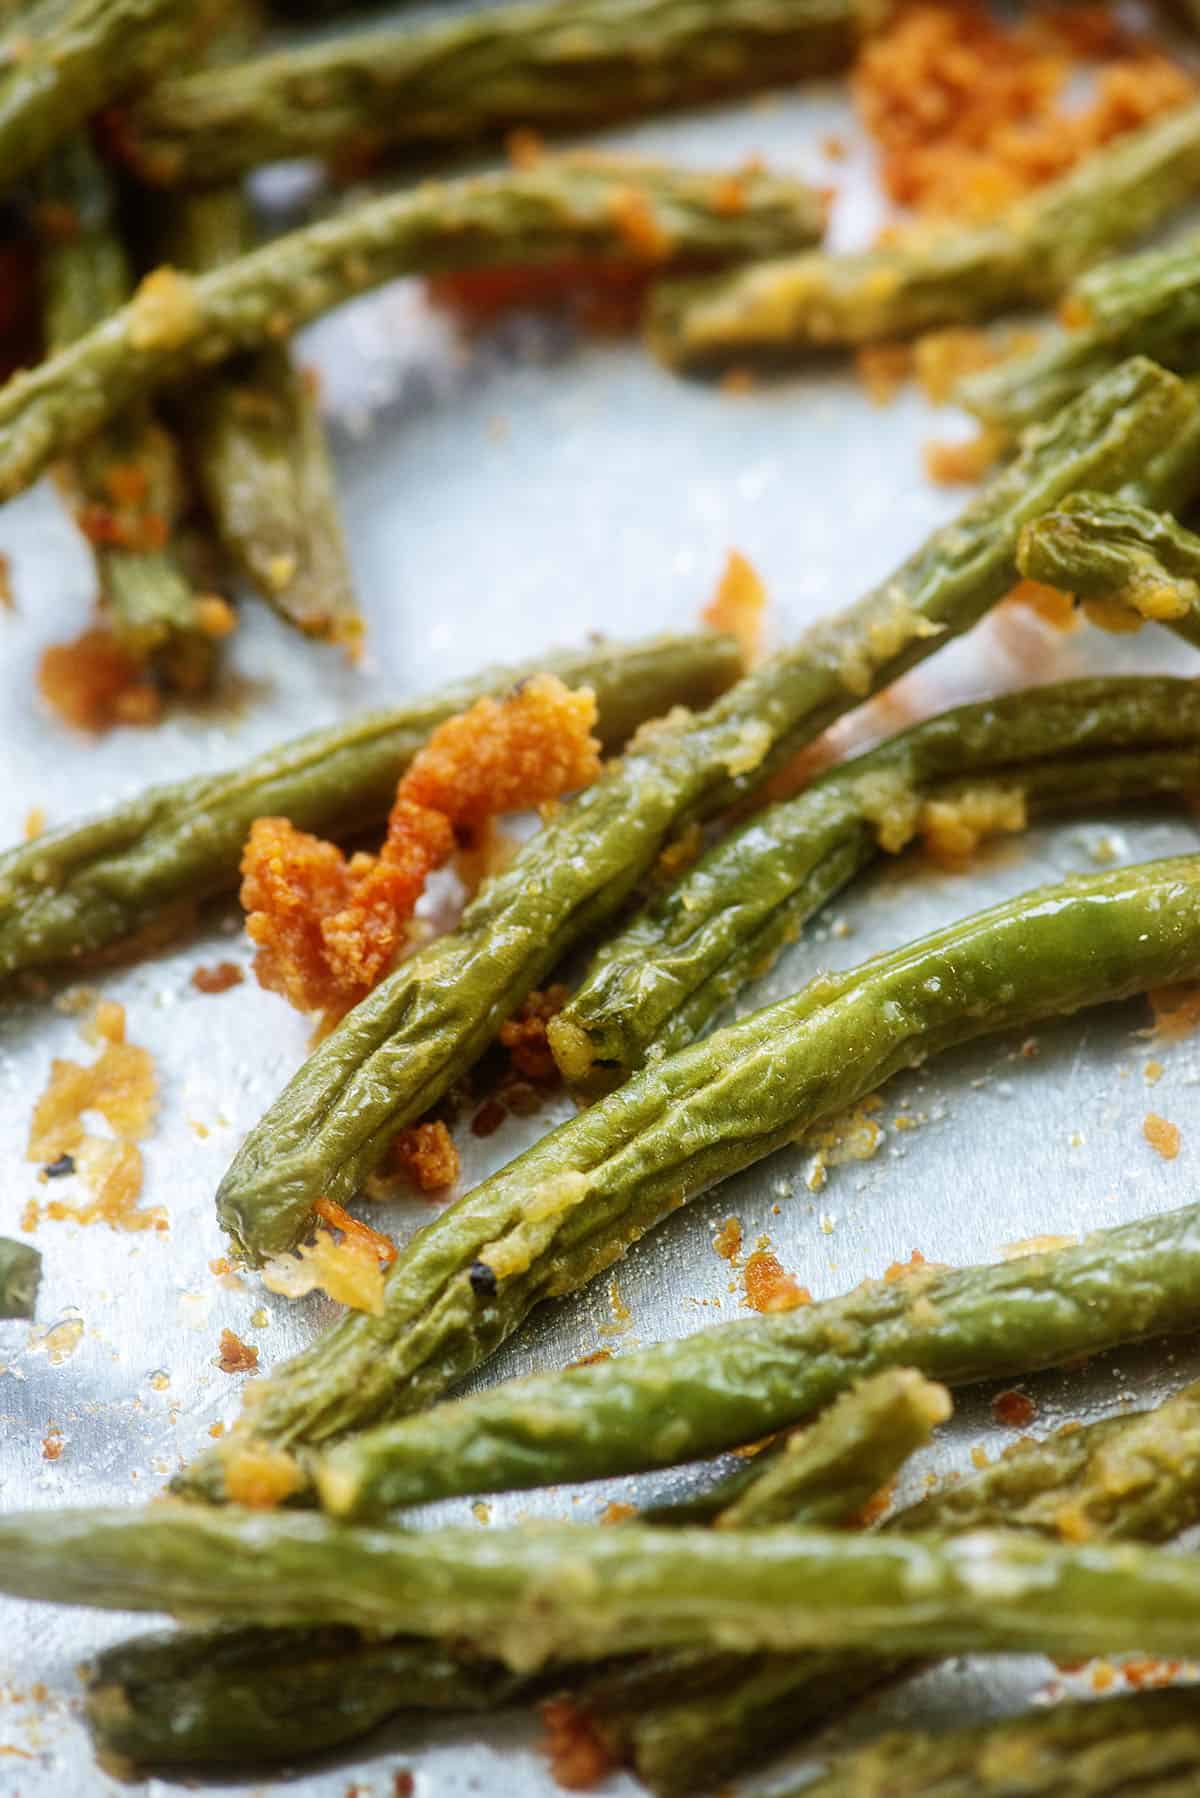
<point>253,1695</point>
<point>552,65</point>
<point>942,275</point>
<point>86,276</point>
<point>80,888</point>
<point>570,1205</point>
<point>60,63</point>
<point>1144,303</point>
<point>1123,561</point>
<point>680,1400</point>
<point>534,1594</point>
<point>657,984</point>
<point>260,454</point>
<point>20,1276</point>
<point>400,1049</point>
<point>698,1719</point>
<point>582,209</point>
<point>1140,1744</point>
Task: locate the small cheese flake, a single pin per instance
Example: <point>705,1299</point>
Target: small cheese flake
<point>261,1477</point>
<point>374,1241</point>
<point>426,1154</point>
<point>1153,1072</point>
<point>899,1270</point>
<point>342,1266</point>
<point>219,978</point>
<point>728,1240</point>
<point>94,684</point>
<point>738,606</point>
<point>1036,1245</point>
<point>525,1036</point>
<point>1176,1013</point>
<point>1015,1410</point>
<point>575,1746</point>
<point>236,1356</point>
<point>1162,1136</point>
<point>53,1443</point>
<point>882,369</point>
<point>768,1288</point>
<point>962,464</point>
<point>1056,609</point>
<point>35,823</point>
<point>164,313</point>
<point>979,1457</point>
<point>617,1511</point>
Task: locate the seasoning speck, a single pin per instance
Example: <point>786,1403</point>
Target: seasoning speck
<point>483,1280</point>
<point>55,1170</point>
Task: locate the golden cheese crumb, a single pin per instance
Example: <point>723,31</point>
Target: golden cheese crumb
<point>164,311</point>
<point>728,1240</point>
<point>236,1356</point>
<point>1161,1135</point>
<point>739,606</point>
<point>1047,603</point>
<point>35,823</point>
<point>768,1288</point>
<point>952,829</point>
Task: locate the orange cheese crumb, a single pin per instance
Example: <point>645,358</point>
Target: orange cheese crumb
<point>525,1038</point>
<point>379,1245</point>
<point>1176,1013</point>
<point>328,928</point>
<point>427,1154</point>
<point>93,684</point>
<point>236,1356</point>
<point>616,1511</point>
<point>738,607</point>
<point>578,1754</point>
<point>769,1288</point>
<point>1161,1135</point>
<point>959,464</point>
<point>728,1239</point>
<point>1047,603</point>
<point>1015,1410</point>
<point>217,979</point>
<point>883,368</point>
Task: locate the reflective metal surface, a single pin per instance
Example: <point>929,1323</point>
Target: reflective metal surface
<point>499,500</point>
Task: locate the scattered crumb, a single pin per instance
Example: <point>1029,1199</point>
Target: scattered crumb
<point>216,1430</point>
<point>235,1355</point>
<point>53,1443</point>
<point>403,1783</point>
<point>327,928</point>
<point>883,369</point>
<point>943,358</point>
<point>738,606</point>
<point>164,312</point>
<point>1053,608</point>
<point>979,1457</point>
<point>1161,1135</point>
<point>898,1269</point>
<point>122,1087</point>
<point>93,684</point>
<point>834,147</point>
<point>876,1507</point>
<point>1176,1013</point>
<point>1152,1073</point>
<point>427,1155</point>
<point>35,823</point>
<point>737,381</point>
<point>728,1239</point>
<point>617,1511</point>
<point>488,1119</point>
<point>1014,1410</point>
<point>525,1038</point>
<point>217,979</point>
<point>970,111</point>
<point>961,464</point>
<point>7,601</point>
<point>578,1754</point>
<point>346,1262</point>
<point>768,1288</point>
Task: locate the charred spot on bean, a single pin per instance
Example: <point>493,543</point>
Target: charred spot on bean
<point>54,1170</point>
<point>483,1280</point>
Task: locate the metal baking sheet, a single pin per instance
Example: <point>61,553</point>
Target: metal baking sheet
<point>500,499</point>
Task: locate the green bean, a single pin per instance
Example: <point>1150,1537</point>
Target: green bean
<point>1119,1748</point>
<point>261,456</point>
<point>1144,303</point>
<point>239,1697</point>
<point>1128,1478</point>
<point>829,1472</point>
<point>85,886</point>
<point>1123,561</point>
<point>20,1276</point>
<point>86,276</point>
<point>531,1595</point>
<point>942,275</point>
<point>400,1049</point>
<point>60,63</point>
<point>681,1400</point>
<point>583,209</point>
<point>570,1205</point>
<point>657,984</point>
<point>551,65</point>
<point>221,1697</point>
